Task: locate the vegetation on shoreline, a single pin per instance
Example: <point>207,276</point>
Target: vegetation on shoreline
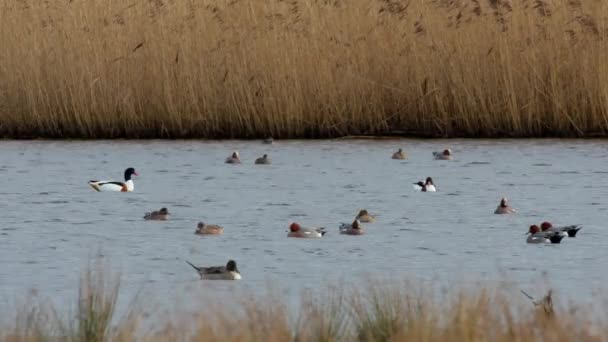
<point>296,68</point>
<point>365,311</point>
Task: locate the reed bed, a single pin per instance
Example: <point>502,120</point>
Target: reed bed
<point>369,310</point>
<point>303,68</point>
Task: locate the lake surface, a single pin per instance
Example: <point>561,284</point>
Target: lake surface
<point>53,223</point>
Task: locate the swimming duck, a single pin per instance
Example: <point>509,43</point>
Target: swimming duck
<point>234,158</point>
<point>208,229</point>
<point>268,140</point>
<point>399,154</point>
<point>427,186</point>
<point>263,160</point>
<point>364,216</point>
<point>536,236</point>
<point>566,230</point>
<point>228,272</point>
<point>161,215</point>
<point>445,155</point>
<point>295,230</point>
<point>504,208</point>
<point>354,228</point>
<point>125,186</point>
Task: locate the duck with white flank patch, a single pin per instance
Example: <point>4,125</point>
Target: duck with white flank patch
<point>444,155</point>
<point>364,216</point>
<point>158,215</point>
<point>399,155</point>
<point>504,207</point>
<point>234,158</point>
<point>570,231</point>
<point>354,228</point>
<point>125,186</point>
<point>297,231</point>
<point>263,160</point>
<point>426,186</point>
<point>536,236</point>
<point>208,229</point>
<point>228,272</point>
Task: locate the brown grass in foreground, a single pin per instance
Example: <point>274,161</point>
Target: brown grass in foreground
<point>303,68</point>
<point>369,311</point>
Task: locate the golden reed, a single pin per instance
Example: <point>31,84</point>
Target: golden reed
<point>362,311</point>
<point>303,68</point>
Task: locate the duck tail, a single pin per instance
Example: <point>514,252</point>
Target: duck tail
<point>572,231</point>
<point>556,238</point>
<point>94,185</point>
<point>196,268</point>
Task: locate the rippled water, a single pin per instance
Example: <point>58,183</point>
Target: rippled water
<point>53,222</point>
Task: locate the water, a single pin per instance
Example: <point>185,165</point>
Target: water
<point>54,223</point>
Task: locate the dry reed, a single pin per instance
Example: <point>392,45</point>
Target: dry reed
<point>303,68</point>
<point>366,311</point>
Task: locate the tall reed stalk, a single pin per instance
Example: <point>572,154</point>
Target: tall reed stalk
<point>299,68</point>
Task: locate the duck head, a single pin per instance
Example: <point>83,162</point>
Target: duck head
<point>200,225</point>
<point>429,181</point>
<point>533,229</point>
<point>363,212</point>
<point>294,227</point>
<point>163,211</point>
<point>356,224</point>
<point>231,266</point>
<point>545,225</point>
<point>130,172</point>
<point>447,152</point>
<point>503,202</point>
<point>235,155</point>
<point>265,156</point>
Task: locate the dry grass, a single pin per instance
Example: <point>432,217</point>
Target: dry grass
<point>303,68</point>
<point>364,311</point>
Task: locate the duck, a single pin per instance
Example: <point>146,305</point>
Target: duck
<point>160,215</point>
<point>268,140</point>
<point>234,158</point>
<point>263,160</point>
<point>426,186</point>
<point>228,272</point>
<point>536,236</point>
<point>364,216</point>
<point>126,186</point>
<point>297,231</point>
<point>208,229</point>
<point>503,207</point>
<point>399,155</point>
<point>444,155</point>
<point>354,228</point>
<point>569,231</point>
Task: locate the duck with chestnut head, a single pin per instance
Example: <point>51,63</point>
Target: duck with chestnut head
<point>297,231</point>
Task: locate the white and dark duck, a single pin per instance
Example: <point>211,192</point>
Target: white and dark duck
<point>263,160</point>
<point>426,186</point>
<point>354,228</point>
<point>125,186</point>
<point>504,207</point>
<point>535,235</point>
<point>444,155</point>
<point>228,272</point>
<point>569,231</point>
<point>157,215</point>
<point>234,158</point>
